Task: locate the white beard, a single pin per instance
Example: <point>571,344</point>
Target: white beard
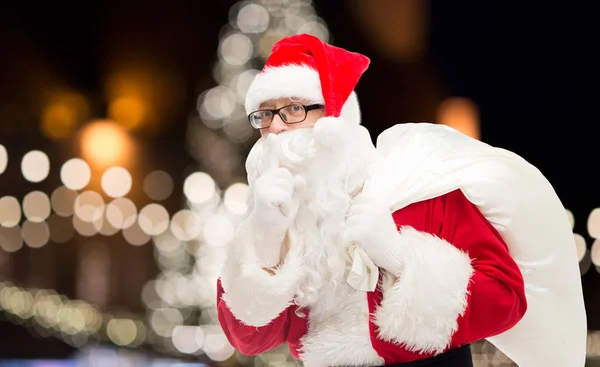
<point>334,175</point>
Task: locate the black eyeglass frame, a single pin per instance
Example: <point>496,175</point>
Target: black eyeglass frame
<point>307,109</point>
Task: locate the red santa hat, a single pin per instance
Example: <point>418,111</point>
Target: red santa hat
<point>303,66</point>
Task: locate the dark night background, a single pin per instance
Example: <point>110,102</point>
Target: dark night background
<point>530,67</point>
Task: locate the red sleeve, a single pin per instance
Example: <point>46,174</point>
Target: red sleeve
<point>497,291</point>
<point>496,295</point>
<point>251,340</point>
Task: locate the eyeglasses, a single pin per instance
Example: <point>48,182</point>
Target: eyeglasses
<point>291,114</point>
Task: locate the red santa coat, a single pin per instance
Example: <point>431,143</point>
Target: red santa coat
<point>437,305</point>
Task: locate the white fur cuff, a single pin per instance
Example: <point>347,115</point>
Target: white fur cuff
<point>254,296</point>
<point>421,309</point>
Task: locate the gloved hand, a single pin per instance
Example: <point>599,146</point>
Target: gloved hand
<point>371,226</point>
<point>277,195</point>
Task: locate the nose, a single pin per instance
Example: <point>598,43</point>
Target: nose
<point>277,125</point>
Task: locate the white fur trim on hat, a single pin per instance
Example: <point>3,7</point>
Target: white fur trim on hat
<point>294,81</point>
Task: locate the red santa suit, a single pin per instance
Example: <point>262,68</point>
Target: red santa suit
<point>474,260</point>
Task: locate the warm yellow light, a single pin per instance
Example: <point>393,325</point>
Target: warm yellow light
<point>105,143</point>
<point>62,114</point>
<point>129,112</point>
<point>461,114</point>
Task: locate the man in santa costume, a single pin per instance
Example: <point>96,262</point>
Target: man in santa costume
<point>401,254</point>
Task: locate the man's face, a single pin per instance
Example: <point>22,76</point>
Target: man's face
<point>278,126</point>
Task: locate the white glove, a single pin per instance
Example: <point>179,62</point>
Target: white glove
<point>371,226</point>
<point>277,195</point>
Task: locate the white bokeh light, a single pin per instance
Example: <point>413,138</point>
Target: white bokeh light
<point>186,225</point>
<point>243,82</point>
<point>116,182</point>
<point>234,198</point>
<point>134,235</point>
<point>10,211</point>
<point>63,201</point>
<point>164,320</point>
<point>75,174</point>
<point>11,239</point>
<point>85,228</point>
<point>253,18</point>
<point>36,206</point>
<point>217,103</point>
<point>35,234</point>
<point>199,187</point>
<point>89,206</point>
<point>217,347</point>
<point>153,219</point>
<point>593,223</point>
<point>236,49</point>
<point>3,159</point>
<point>580,245</point>
<point>121,213</point>
<point>187,339</point>
<point>167,242</point>
<point>35,166</point>
<point>571,218</point>
<point>595,253</point>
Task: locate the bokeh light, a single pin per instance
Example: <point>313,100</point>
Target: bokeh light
<point>461,114</point>
<point>580,245</point>
<point>153,219</point>
<point>236,49</point>
<point>3,159</point>
<point>234,198</point>
<point>61,228</point>
<point>62,114</point>
<point>75,174</point>
<point>104,144</point>
<point>158,185</point>
<point>186,225</point>
<point>135,235</point>
<point>10,211</point>
<point>35,166</point>
<point>252,18</point>
<point>121,213</point>
<point>35,234</point>
<point>63,201</point>
<point>199,187</point>
<point>128,111</point>
<point>593,223</point>
<point>10,238</point>
<point>116,182</point>
<point>36,206</point>
<point>187,339</point>
<point>89,206</point>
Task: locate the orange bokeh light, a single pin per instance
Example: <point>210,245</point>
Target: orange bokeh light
<point>104,143</point>
<point>461,114</point>
<point>60,117</point>
<point>129,112</point>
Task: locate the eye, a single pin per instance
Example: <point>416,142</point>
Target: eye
<point>296,108</point>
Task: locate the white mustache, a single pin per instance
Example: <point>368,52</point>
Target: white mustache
<point>296,147</point>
